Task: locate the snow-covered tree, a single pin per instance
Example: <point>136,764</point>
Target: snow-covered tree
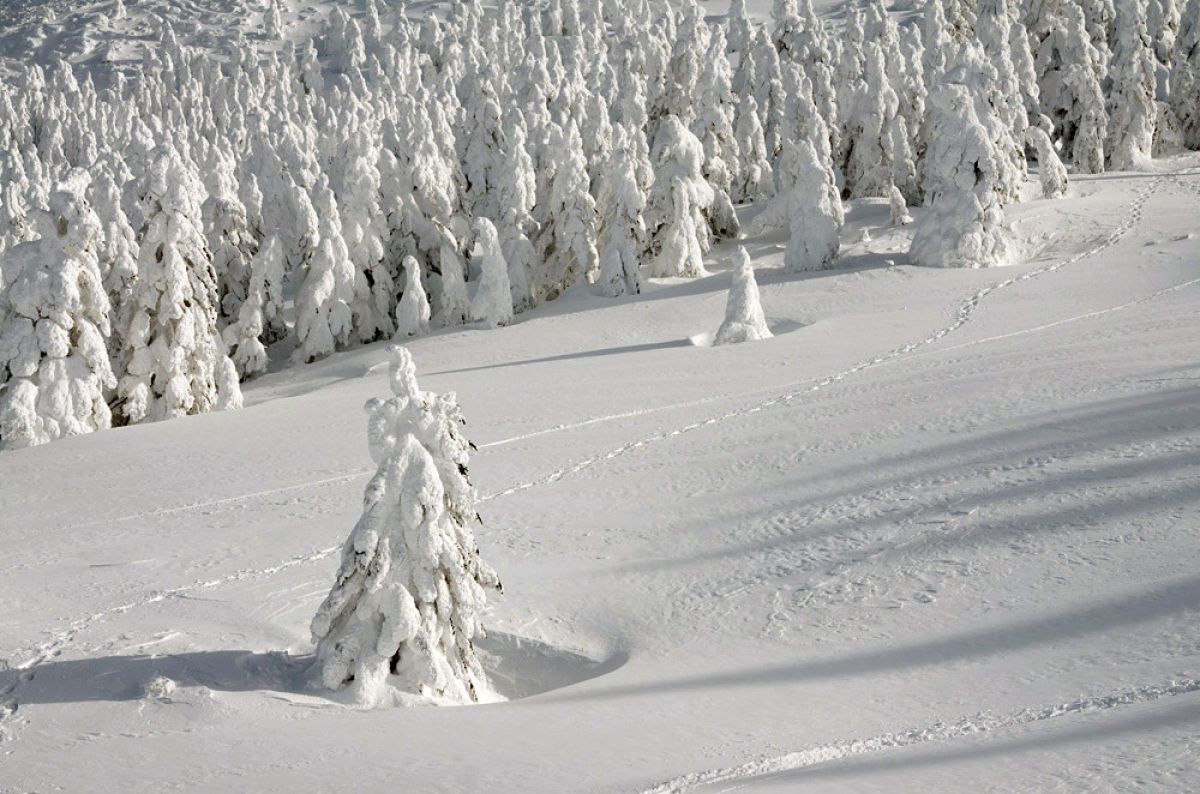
<point>324,320</point>
<point>897,208</point>
<point>622,231</point>
<point>54,366</point>
<point>400,621</point>
<point>744,320</point>
<point>492,303</point>
<point>754,174</point>
<point>963,224</point>
<point>808,205</point>
<point>174,360</point>
<point>1051,171</point>
<point>567,241</point>
<point>808,208</point>
<point>260,317</point>
<point>516,186</point>
<point>1185,75</point>
<point>412,312</point>
<point>714,127</point>
<point>679,235</point>
<point>1131,109</point>
<point>363,232</point>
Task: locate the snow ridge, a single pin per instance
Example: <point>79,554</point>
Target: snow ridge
<point>937,732</point>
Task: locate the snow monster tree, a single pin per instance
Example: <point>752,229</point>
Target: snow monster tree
<point>399,624</point>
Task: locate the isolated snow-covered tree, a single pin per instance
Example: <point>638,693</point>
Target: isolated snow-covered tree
<point>174,360</point>
<point>679,232</point>
<point>744,320</point>
<point>412,312</point>
<point>401,619</point>
<point>54,366</point>
<point>1052,173</point>
<point>622,231</point>
<point>963,224</point>
<point>492,303</point>
<point>1131,108</point>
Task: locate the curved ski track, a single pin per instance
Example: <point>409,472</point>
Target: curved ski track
<point>935,733</point>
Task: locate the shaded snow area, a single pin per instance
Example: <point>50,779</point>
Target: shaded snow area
<point>942,527</point>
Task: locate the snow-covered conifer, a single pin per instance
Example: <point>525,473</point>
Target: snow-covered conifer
<point>897,208</point>
<point>273,21</point>
<point>679,235</point>
<point>173,358</point>
<point>363,230</point>
<point>492,303</point>
<point>963,224</point>
<point>1131,109</point>
<point>1185,75</point>
<point>54,365</point>
<point>516,185</point>
<point>412,312</point>
<point>744,320</point>
<point>567,242</point>
<point>622,231</point>
<point>260,316</point>
<point>408,600</point>
<point>754,175</point>
<point>714,127</point>
<point>1053,174</point>
<point>324,320</point>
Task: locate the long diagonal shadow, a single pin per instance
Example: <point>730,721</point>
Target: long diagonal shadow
<point>1178,596</point>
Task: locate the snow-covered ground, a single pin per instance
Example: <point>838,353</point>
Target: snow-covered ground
<point>941,532</point>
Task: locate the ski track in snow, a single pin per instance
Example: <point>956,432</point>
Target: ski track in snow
<point>935,733</point>
<point>961,316</point>
<point>61,639</point>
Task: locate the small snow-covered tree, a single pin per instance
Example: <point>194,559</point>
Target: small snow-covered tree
<point>402,616</point>
<point>1051,171</point>
<point>412,312</point>
<point>173,358</point>
<point>622,231</point>
<point>54,367</point>
<point>744,320</point>
<point>897,208</point>
<point>1131,109</point>
<point>963,224</point>
<point>679,235</point>
<point>492,303</point>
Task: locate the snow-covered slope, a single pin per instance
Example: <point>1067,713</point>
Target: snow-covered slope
<point>940,531</point>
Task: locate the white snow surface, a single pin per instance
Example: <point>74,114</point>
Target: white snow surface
<point>943,527</point>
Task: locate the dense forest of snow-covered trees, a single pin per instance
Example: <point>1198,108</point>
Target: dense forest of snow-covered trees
<point>162,226</point>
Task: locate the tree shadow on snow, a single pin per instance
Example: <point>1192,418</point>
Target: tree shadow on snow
<point>1089,430</point>
<point>517,668</point>
<point>1177,597</point>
